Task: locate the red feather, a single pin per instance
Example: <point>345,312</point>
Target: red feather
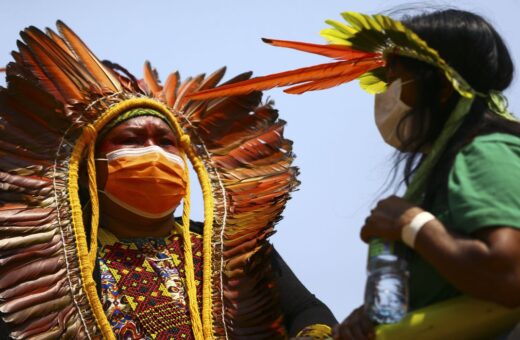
<point>312,73</point>
<point>333,51</point>
<point>352,64</point>
<point>326,83</point>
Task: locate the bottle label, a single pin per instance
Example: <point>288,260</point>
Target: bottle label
<point>378,247</point>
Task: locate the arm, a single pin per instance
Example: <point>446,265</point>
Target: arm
<point>486,265</point>
<point>482,258</point>
<point>478,252</point>
<point>301,308</point>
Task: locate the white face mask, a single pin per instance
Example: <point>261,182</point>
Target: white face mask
<point>389,111</point>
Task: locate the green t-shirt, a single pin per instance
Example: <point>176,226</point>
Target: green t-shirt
<point>483,191</point>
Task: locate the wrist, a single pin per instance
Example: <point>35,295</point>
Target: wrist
<point>409,231</point>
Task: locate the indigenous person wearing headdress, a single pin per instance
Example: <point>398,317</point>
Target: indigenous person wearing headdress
<point>93,165</point>
<point>438,79</point>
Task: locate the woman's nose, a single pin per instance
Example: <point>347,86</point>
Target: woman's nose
<point>149,142</point>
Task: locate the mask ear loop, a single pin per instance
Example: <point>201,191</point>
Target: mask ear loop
<point>92,189</point>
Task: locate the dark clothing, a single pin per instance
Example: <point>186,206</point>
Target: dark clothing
<point>299,306</point>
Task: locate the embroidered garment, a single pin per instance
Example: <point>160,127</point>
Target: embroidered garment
<point>143,285</point>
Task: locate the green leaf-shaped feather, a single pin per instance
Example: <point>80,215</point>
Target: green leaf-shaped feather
<point>382,34</point>
<point>374,81</point>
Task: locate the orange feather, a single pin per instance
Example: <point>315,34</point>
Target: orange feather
<point>333,51</point>
<point>326,83</point>
<point>75,71</point>
<point>53,67</point>
<point>170,88</point>
<point>188,86</point>
<point>151,80</point>
<point>88,59</point>
<point>213,79</point>
<point>312,73</point>
<point>59,41</point>
<point>30,62</point>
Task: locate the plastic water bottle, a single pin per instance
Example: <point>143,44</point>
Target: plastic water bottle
<point>386,291</point>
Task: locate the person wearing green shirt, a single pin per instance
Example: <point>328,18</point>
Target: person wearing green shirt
<point>464,234</point>
<point>438,78</point>
<point>482,192</point>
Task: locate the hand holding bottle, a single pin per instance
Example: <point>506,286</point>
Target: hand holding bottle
<point>386,290</point>
<point>388,218</point>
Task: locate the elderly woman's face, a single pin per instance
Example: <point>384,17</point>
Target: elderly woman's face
<point>139,132</point>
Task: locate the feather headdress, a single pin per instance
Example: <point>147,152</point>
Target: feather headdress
<point>58,97</point>
<point>360,48</point>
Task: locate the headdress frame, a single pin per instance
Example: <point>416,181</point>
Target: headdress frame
<point>59,97</point>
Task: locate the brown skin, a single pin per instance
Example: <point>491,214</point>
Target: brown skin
<point>485,265</point>
<point>134,133</point>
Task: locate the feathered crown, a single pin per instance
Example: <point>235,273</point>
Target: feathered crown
<point>59,96</point>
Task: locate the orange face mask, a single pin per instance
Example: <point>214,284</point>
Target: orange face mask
<point>147,181</point>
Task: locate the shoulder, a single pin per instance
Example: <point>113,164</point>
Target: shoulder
<point>493,141</point>
<point>486,155</point>
<point>486,152</point>
<point>483,186</point>
<point>196,227</point>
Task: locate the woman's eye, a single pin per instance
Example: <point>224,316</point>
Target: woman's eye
<point>130,141</point>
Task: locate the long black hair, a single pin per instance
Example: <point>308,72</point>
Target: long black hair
<point>472,47</point>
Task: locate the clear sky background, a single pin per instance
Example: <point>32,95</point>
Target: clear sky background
<point>344,163</point>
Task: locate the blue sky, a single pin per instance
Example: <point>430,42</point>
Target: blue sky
<point>344,163</point>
